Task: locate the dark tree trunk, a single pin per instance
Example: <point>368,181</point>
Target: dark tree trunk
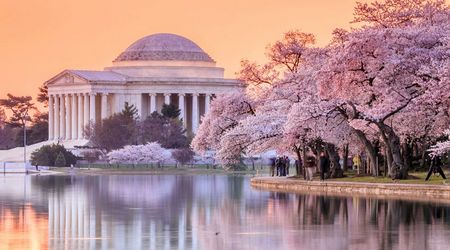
<point>423,159</point>
<point>345,156</point>
<point>370,149</point>
<point>398,169</point>
<point>298,170</point>
<point>385,162</point>
<point>335,168</point>
<point>407,153</point>
<point>387,152</point>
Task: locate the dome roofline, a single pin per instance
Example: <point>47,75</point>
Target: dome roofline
<point>164,47</point>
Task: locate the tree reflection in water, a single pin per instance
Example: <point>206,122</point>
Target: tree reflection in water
<point>216,212</point>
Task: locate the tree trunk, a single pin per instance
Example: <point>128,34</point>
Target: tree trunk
<point>299,159</point>
<point>407,151</point>
<point>387,152</point>
<point>385,162</point>
<point>317,155</point>
<point>304,161</point>
<point>370,149</point>
<point>345,154</point>
<point>398,169</point>
<point>424,155</point>
<point>335,168</point>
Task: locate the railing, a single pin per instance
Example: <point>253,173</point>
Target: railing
<point>13,167</point>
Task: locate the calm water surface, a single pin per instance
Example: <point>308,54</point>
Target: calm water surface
<point>204,212</point>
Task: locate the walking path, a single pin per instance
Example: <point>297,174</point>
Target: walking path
<point>426,192</point>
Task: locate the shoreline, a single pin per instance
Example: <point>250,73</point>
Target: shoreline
<point>416,192</point>
<point>143,171</point>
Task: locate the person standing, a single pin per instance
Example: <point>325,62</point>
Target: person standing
<point>287,165</point>
<point>356,162</point>
<point>278,166</point>
<point>272,166</point>
<point>436,168</point>
<point>324,163</point>
<point>310,165</point>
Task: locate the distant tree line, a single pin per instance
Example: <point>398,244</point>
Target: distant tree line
<point>23,113</point>
<point>125,128</point>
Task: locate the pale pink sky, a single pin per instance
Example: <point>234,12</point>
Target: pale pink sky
<point>41,38</point>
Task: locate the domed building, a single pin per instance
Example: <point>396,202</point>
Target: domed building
<point>156,69</point>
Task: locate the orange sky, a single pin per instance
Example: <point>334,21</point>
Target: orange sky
<point>40,38</point>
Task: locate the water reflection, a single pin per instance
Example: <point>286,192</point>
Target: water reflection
<point>204,212</point>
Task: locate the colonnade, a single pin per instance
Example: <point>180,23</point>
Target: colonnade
<point>69,114</point>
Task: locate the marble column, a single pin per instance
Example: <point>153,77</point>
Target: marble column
<point>50,117</point>
<point>152,102</point>
<point>62,117</point>
<point>207,102</point>
<point>167,98</point>
<point>92,114</point>
<point>181,98</point>
<point>74,117</point>
<point>80,121</point>
<point>68,118</point>
<point>56,120</point>
<point>195,116</point>
<point>86,109</point>
<point>104,106</point>
<point>138,99</point>
<point>118,102</point>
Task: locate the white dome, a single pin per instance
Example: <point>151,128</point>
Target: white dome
<point>164,47</point>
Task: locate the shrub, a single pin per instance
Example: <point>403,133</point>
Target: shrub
<point>183,155</point>
<point>60,160</point>
<point>47,155</point>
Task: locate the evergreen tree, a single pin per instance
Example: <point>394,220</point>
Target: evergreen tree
<point>60,160</point>
<point>43,94</point>
<point>170,111</point>
<point>40,158</point>
<point>130,111</point>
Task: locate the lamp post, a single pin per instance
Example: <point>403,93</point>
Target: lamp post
<point>25,140</point>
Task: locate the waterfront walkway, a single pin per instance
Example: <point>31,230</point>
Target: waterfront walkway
<point>389,190</point>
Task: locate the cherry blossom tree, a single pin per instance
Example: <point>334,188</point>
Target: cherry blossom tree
<point>369,84</point>
<point>441,148</point>
<point>400,13</point>
<point>379,72</point>
<point>226,110</point>
<point>139,154</point>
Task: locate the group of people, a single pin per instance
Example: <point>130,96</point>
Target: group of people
<point>310,165</point>
<point>280,165</point>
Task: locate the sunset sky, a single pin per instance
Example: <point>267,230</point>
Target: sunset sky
<point>40,38</point>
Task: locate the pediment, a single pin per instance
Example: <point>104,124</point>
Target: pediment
<point>66,78</point>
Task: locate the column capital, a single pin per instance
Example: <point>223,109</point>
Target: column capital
<point>80,94</point>
<point>92,94</point>
<point>181,94</point>
<point>105,94</point>
<point>167,94</point>
<point>152,94</point>
<point>195,94</point>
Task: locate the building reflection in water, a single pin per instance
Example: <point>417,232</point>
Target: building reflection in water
<point>212,212</point>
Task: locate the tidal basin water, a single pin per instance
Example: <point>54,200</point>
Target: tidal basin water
<point>204,212</point>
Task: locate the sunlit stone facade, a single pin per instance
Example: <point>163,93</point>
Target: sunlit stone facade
<point>157,69</point>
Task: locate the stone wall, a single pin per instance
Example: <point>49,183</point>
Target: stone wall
<point>381,190</point>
